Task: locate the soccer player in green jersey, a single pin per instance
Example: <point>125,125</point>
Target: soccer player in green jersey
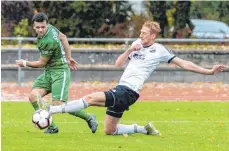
<point>55,57</point>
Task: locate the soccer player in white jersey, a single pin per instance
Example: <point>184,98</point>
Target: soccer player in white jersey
<point>140,60</point>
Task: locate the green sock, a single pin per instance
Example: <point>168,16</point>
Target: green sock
<point>35,105</point>
<point>81,114</point>
<point>52,125</point>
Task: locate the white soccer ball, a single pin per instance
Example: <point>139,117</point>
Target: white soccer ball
<point>42,119</point>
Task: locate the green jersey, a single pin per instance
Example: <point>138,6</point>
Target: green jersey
<point>51,47</point>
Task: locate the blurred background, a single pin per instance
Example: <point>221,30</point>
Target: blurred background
<point>178,19</point>
<point>99,31</point>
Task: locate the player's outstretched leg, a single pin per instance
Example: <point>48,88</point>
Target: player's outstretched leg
<point>89,118</point>
<point>149,129</point>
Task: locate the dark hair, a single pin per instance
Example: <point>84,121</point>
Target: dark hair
<point>40,17</point>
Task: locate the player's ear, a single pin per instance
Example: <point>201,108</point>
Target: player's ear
<point>154,35</point>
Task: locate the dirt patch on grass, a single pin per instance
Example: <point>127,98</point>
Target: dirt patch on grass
<point>151,91</point>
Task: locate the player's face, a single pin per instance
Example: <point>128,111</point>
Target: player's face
<point>40,28</point>
<point>147,36</point>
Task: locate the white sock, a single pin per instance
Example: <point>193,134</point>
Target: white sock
<point>124,129</point>
<point>140,129</point>
<point>73,106</point>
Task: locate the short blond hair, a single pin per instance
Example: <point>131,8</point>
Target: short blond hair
<point>153,26</point>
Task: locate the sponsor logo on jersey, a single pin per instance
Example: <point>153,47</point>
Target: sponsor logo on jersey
<point>139,56</point>
<point>55,35</point>
<point>152,50</point>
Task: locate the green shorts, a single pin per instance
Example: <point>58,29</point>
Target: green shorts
<point>55,81</point>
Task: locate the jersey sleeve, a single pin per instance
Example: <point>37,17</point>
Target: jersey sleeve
<point>166,55</point>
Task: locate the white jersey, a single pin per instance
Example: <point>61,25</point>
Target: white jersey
<point>142,63</point>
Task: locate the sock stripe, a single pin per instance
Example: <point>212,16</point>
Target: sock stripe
<point>63,108</point>
<point>135,128</point>
<point>84,103</point>
<point>116,131</point>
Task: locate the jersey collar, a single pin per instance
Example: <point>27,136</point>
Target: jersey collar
<point>147,46</point>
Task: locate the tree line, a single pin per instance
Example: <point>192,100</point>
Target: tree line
<point>109,18</point>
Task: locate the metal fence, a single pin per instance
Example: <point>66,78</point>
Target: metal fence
<point>126,41</point>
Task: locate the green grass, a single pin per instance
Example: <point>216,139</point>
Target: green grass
<point>185,126</point>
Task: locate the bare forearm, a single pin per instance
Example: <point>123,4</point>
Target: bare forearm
<point>122,59</point>
<point>195,68</point>
<point>66,46</point>
<point>35,64</point>
<point>67,49</point>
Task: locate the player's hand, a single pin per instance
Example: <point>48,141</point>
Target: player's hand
<point>218,68</point>
<point>136,47</point>
<point>72,64</point>
<point>20,63</point>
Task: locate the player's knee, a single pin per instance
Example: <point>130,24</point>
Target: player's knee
<point>32,97</point>
<point>89,99</point>
<point>109,131</point>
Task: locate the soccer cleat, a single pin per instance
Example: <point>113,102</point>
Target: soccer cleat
<point>42,104</point>
<point>92,123</point>
<point>151,130</point>
<point>51,130</point>
<point>40,101</point>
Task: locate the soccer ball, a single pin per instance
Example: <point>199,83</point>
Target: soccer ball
<point>42,119</point>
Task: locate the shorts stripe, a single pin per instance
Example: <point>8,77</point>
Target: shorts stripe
<point>114,112</point>
<point>63,87</point>
<point>110,91</point>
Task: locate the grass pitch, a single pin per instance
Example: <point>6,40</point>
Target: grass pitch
<point>185,126</point>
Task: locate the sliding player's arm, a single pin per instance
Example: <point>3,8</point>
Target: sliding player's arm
<point>190,66</point>
<point>122,59</point>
